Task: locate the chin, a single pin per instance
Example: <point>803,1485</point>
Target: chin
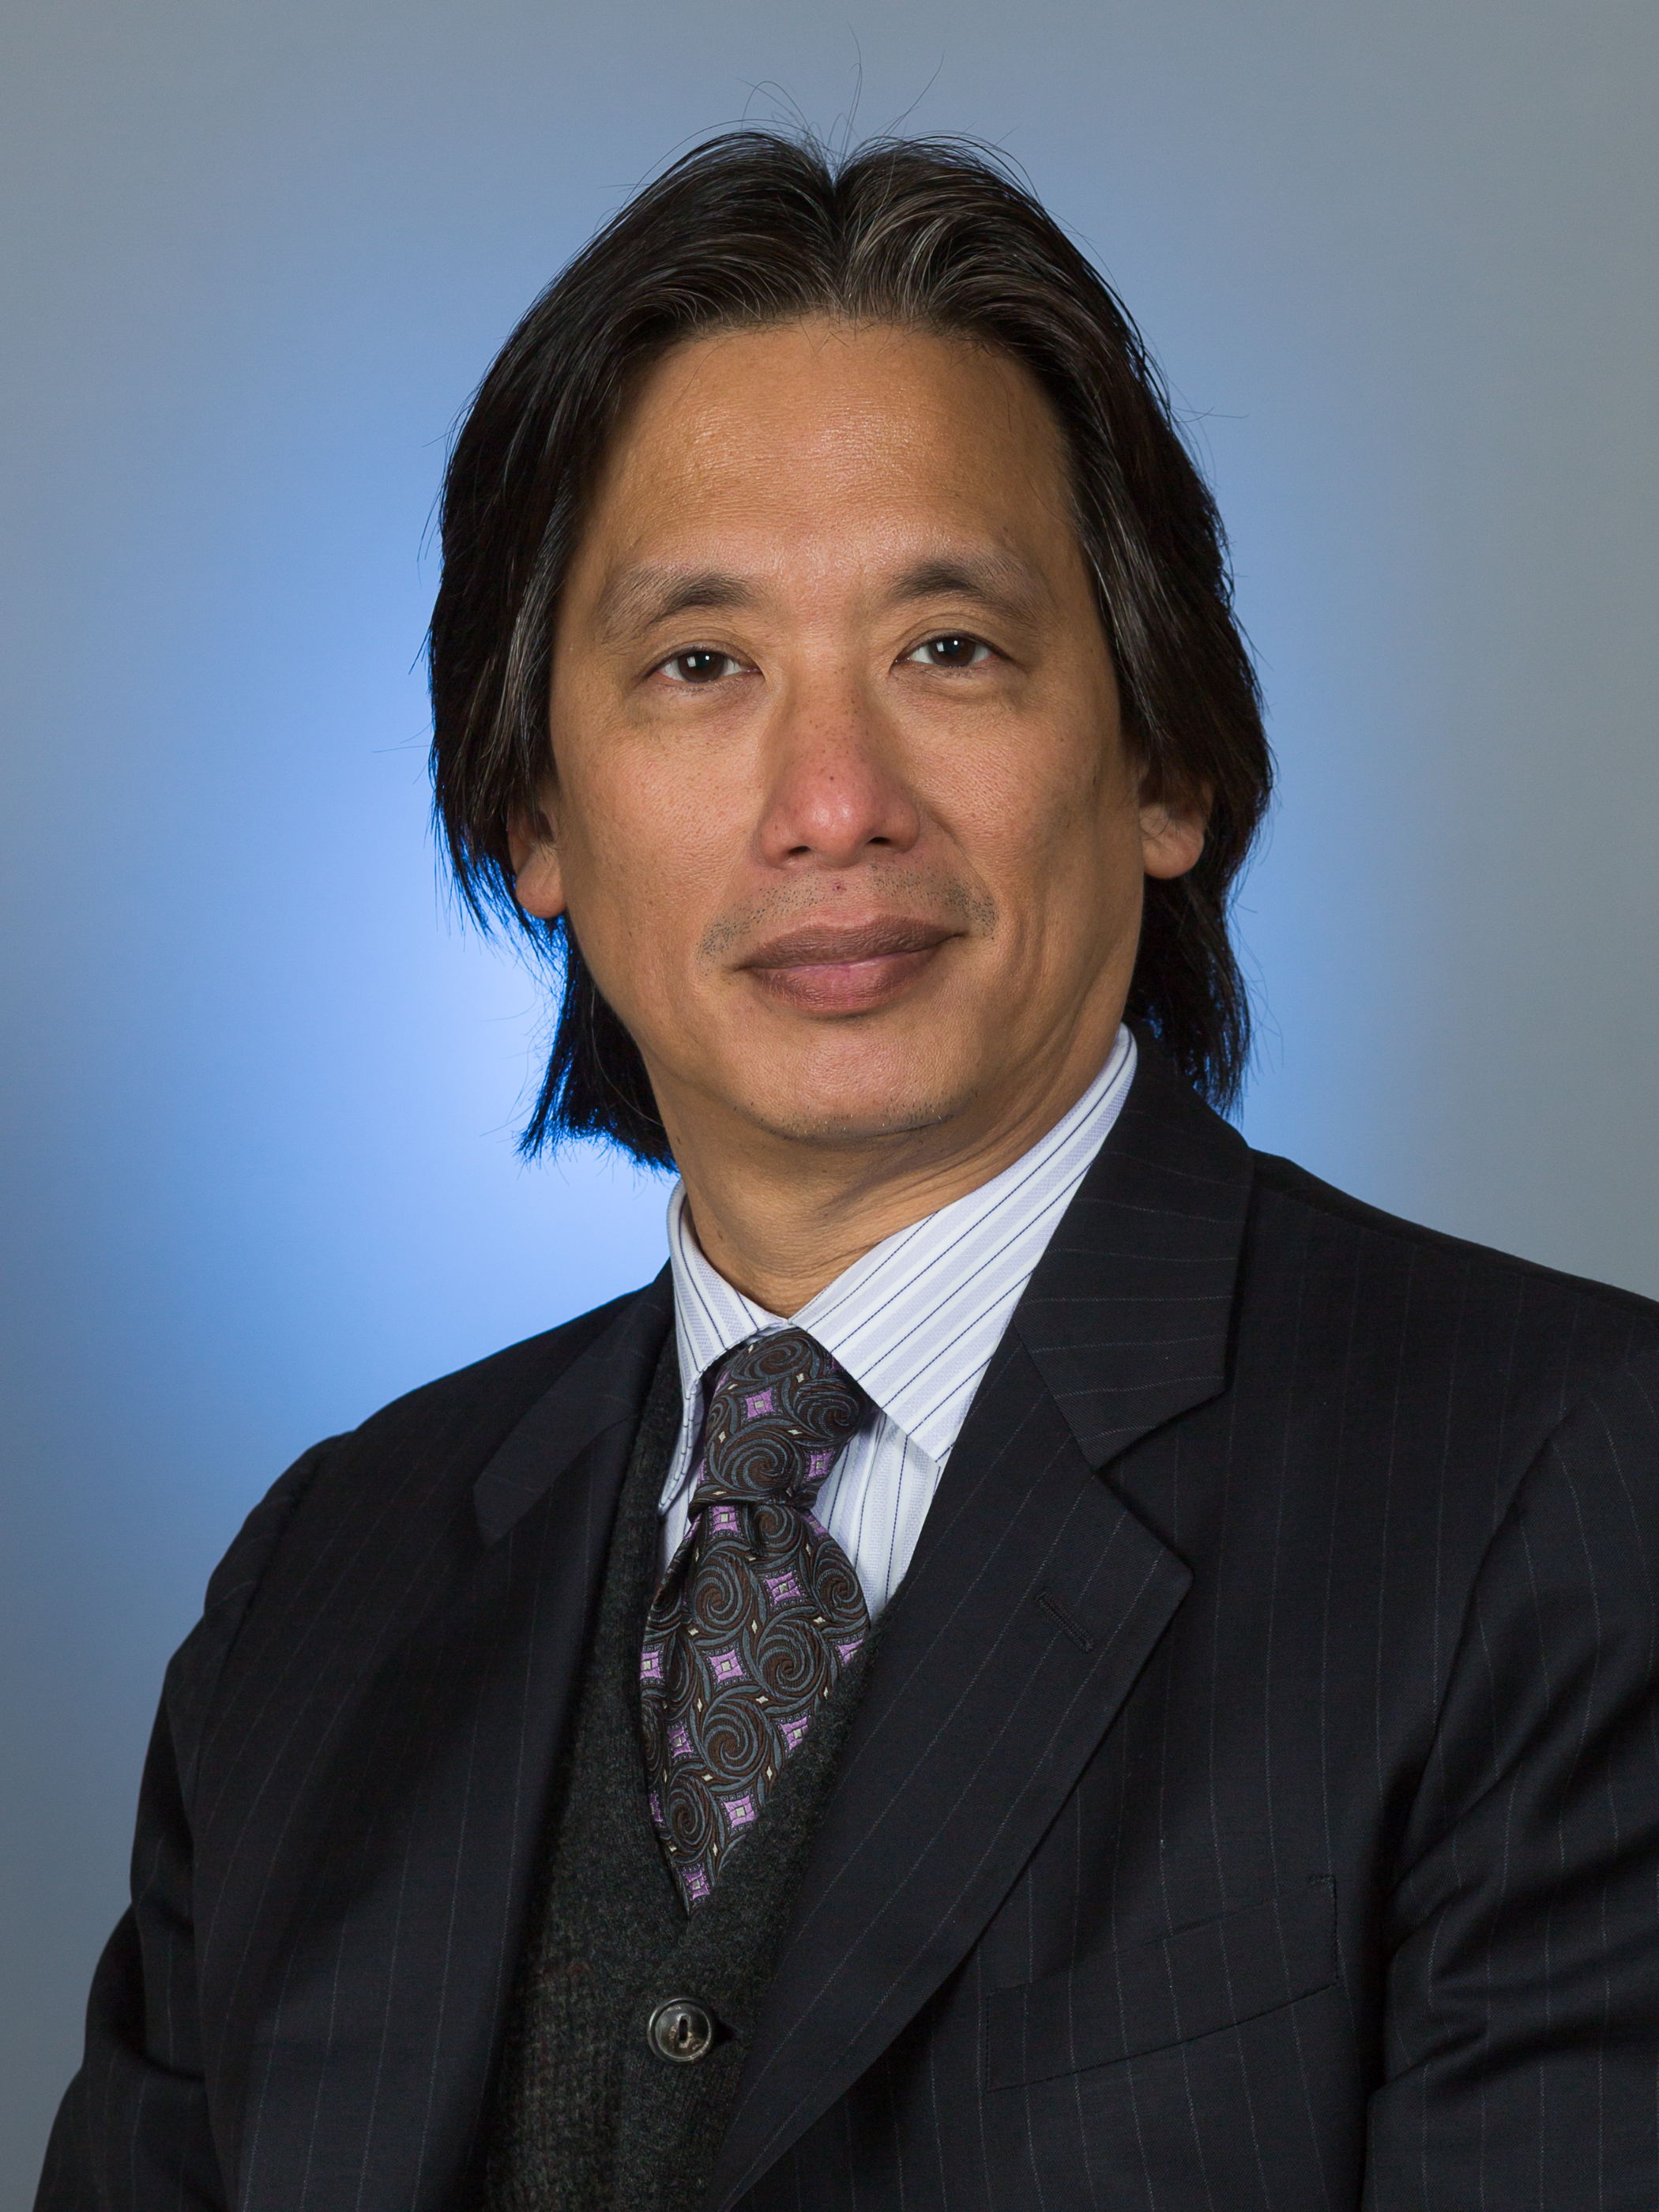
<point>853,1116</point>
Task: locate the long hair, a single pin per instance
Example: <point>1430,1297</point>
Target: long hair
<point>755,229</point>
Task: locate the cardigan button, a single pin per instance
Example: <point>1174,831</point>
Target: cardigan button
<point>681,2030</point>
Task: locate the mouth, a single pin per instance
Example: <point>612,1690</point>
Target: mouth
<point>847,970</point>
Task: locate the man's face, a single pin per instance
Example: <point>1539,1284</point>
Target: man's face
<point>839,805</point>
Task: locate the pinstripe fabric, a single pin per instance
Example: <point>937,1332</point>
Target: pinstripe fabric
<point>1255,1802</point>
<point>914,1321</point>
<point>343,1803</point>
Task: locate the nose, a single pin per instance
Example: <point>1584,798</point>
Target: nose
<point>836,791</point>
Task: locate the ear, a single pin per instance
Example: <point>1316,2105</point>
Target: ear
<point>1172,833</point>
<point>538,879</point>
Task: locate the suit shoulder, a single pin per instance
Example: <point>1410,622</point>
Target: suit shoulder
<point>361,1518</point>
<point>510,1379</point>
<point>1610,1326</point>
<point>460,1417</point>
<point>441,1434</point>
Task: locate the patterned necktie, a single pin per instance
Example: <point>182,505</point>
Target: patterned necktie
<point>760,1610</point>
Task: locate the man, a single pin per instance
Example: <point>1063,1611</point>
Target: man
<point>1047,1659</point>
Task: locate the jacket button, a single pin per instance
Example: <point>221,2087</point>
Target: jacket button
<point>681,2030</point>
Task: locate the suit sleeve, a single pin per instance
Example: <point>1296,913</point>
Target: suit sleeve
<point>132,2134</point>
<point>1523,2022</point>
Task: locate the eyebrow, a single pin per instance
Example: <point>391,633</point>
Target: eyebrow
<point>1000,579</point>
<point>634,600</point>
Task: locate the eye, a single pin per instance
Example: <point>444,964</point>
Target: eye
<point>702,665</point>
<point>950,649</point>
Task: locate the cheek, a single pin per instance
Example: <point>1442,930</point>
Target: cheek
<point>1047,815</point>
<point>642,861</point>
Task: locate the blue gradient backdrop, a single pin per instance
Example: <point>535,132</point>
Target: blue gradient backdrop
<point>259,1087</point>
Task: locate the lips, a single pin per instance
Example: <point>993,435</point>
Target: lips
<point>846,970</point>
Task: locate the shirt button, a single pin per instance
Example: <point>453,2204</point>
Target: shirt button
<point>681,2030</point>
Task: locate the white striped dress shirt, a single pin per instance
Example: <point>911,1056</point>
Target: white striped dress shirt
<point>914,1321</point>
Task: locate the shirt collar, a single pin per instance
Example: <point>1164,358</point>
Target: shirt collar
<point>915,1321</point>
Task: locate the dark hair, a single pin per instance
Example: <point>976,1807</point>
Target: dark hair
<point>755,229</point>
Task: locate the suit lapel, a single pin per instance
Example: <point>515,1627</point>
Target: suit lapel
<point>1034,1601</point>
<point>1129,1315</point>
<point>354,1976</point>
<point>604,1388</point>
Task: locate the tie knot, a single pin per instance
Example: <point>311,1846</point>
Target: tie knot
<point>780,1410</point>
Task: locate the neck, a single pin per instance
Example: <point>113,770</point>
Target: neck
<point>781,1218</point>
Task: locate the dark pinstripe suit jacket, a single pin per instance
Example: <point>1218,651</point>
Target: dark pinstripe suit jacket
<point>1255,1803</point>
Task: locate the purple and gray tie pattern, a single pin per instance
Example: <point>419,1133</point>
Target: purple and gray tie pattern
<point>760,1610</point>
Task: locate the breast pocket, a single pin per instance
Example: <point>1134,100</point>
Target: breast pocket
<point>1170,1988</point>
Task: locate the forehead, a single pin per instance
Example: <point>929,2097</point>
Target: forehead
<point>816,435</point>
